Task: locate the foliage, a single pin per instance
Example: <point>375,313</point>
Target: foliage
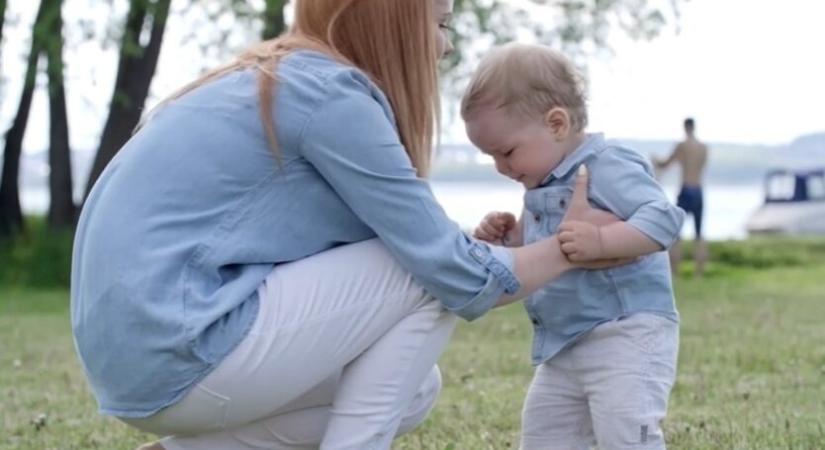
<point>39,257</point>
<point>577,27</point>
<point>765,253</point>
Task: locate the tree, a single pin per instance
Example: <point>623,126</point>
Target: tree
<point>11,215</point>
<point>47,38</point>
<point>273,18</point>
<point>578,24</point>
<point>136,68</point>
<point>578,27</point>
<point>2,17</point>
<point>61,206</point>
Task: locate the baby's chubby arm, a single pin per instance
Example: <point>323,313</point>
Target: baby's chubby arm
<point>500,228</point>
<point>582,241</point>
<point>623,183</point>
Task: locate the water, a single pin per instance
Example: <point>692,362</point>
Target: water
<point>471,187</point>
<point>727,207</point>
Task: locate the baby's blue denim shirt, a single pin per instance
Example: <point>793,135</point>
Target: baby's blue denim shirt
<point>622,182</point>
<point>195,211</point>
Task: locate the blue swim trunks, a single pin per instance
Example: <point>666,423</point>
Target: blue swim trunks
<point>690,199</point>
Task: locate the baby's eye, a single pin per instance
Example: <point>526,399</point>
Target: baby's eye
<point>510,152</point>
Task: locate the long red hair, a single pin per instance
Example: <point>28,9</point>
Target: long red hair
<point>392,41</point>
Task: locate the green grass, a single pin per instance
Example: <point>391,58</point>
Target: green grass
<point>751,368</point>
<point>38,257</point>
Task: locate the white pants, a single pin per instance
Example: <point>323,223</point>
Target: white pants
<point>341,356</point>
<point>610,388</point>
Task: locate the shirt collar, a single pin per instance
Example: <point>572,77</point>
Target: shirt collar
<point>592,142</point>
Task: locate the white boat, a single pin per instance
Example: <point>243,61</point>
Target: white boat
<point>794,204</point>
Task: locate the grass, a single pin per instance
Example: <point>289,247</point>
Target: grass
<point>38,257</point>
<point>750,369</point>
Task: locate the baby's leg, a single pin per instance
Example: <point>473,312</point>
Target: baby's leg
<point>555,414</point>
<point>629,367</point>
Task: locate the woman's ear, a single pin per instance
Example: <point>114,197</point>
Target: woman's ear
<point>558,120</point>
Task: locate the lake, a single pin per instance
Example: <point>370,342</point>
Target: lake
<point>727,207</point>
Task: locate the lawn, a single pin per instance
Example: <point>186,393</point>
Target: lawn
<point>751,367</point>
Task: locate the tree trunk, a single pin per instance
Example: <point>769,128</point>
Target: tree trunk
<point>134,76</point>
<point>274,23</point>
<point>2,21</point>
<point>11,216</point>
<point>62,207</point>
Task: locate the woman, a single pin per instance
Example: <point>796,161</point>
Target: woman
<point>259,266</point>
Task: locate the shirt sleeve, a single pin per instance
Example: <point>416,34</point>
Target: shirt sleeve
<point>352,141</point>
<point>622,181</point>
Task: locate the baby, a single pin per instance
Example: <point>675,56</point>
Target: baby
<point>605,341</point>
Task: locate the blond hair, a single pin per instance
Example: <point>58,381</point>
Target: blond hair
<point>392,41</point>
<point>528,80</point>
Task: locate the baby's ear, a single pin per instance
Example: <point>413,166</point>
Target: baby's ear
<point>558,120</point>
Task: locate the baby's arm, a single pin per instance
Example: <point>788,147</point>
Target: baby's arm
<point>582,241</point>
<point>622,182</point>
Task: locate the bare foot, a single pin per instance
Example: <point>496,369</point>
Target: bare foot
<point>151,446</point>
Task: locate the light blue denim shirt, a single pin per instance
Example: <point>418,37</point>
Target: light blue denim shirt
<point>194,212</point>
<point>622,182</point>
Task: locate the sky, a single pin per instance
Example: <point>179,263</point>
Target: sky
<point>749,71</point>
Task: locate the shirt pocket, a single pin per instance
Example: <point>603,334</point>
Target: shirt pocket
<point>556,202</point>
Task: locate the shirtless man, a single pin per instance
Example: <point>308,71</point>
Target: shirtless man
<point>691,155</point>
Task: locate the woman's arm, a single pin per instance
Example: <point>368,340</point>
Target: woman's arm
<point>351,141</point>
<point>535,265</point>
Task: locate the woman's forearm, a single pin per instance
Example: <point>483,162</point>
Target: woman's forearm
<point>535,265</point>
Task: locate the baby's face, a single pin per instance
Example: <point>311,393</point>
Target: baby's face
<point>523,149</point>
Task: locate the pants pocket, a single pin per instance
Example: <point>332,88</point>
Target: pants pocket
<point>651,333</point>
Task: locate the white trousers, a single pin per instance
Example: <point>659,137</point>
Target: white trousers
<point>341,356</point>
<point>611,388</point>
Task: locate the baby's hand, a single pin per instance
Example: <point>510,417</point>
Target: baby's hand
<point>580,241</point>
<point>496,228</point>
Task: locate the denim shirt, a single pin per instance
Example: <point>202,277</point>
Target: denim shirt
<point>195,211</point>
<point>622,182</point>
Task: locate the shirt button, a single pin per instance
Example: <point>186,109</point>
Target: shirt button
<point>562,203</point>
<point>535,321</point>
<point>537,218</point>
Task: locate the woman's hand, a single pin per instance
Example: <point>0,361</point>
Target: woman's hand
<point>580,209</point>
